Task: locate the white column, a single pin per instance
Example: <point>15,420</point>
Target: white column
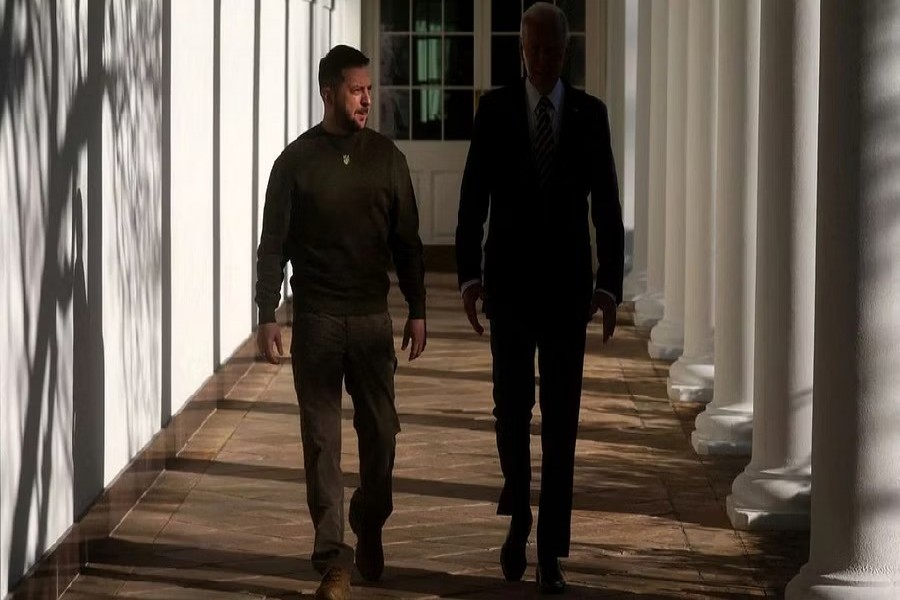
<point>773,491</point>
<point>725,427</point>
<point>649,307</point>
<point>320,15</point>
<point>855,537</point>
<point>636,281</point>
<point>615,88</point>
<point>691,377</point>
<point>667,336</point>
<point>347,23</point>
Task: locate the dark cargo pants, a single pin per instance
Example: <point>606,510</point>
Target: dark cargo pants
<point>328,351</point>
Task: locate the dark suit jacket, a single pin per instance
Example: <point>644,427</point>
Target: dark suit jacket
<point>538,252</point>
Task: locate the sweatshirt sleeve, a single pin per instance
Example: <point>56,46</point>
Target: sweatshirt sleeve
<point>404,241</point>
<point>270,256</point>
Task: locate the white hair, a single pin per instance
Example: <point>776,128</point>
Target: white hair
<point>545,11</point>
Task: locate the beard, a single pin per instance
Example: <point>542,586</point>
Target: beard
<point>349,122</point>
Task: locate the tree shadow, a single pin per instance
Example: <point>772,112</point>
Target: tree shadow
<point>133,63</point>
<point>49,79</point>
<point>79,103</point>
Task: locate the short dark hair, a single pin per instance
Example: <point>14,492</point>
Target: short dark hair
<point>332,65</point>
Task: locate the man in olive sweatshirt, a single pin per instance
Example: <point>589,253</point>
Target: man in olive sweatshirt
<point>340,206</point>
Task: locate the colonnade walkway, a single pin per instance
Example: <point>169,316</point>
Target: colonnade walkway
<point>227,519</point>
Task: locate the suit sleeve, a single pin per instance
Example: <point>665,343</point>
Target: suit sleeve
<point>606,212</point>
<point>404,241</point>
<point>270,255</point>
<point>474,199</point>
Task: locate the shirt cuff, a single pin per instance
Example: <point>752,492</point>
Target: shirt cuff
<point>467,285</point>
<point>610,294</point>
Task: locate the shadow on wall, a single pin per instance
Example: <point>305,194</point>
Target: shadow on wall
<point>133,54</point>
<point>79,118</point>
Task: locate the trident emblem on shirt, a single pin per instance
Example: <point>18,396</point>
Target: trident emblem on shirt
<point>346,159</point>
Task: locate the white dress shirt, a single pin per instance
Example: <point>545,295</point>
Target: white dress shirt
<point>556,97</point>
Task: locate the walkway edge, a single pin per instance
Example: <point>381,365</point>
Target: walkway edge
<point>50,576</point>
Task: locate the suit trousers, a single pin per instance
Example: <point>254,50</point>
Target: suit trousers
<point>560,346</point>
<point>328,351</point>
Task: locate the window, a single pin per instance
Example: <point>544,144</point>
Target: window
<point>427,82</point>
<point>431,73</point>
<point>506,61</point>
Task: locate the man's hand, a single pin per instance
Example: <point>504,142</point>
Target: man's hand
<point>415,331</point>
<point>607,305</point>
<point>471,296</point>
<point>268,338</point>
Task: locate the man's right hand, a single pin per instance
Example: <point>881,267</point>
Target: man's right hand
<point>268,339</point>
<point>471,296</point>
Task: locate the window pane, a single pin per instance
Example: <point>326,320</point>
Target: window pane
<point>394,59</point>
<point>393,107</point>
<point>506,15</point>
<point>427,60</point>
<point>506,63</point>
<point>395,15</point>
<point>459,60</point>
<point>426,111</point>
<point>459,111</point>
<point>427,15</point>
<point>574,10</point>
<point>459,15</point>
<point>573,71</point>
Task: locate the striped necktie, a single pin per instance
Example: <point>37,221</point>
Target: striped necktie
<point>543,141</point>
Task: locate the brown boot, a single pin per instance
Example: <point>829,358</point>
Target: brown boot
<point>335,585</point>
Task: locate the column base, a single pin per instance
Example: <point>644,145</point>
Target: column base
<point>775,499</point>
<point>666,340</point>
<point>649,309</point>
<point>634,285</point>
<point>691,380</point>
<point>723,430</point>
<point>845,585</point>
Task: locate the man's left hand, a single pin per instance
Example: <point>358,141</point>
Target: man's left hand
<point>414,331</point>
<point>607,305</point>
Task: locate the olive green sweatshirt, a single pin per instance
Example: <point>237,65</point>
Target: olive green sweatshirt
<point>340,208</point>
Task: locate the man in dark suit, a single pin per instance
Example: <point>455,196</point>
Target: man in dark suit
<point>538,149</point>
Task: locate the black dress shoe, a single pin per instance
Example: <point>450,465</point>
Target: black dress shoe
<point>550,577</point>
<point>512,553</point>
<point>369,553</point>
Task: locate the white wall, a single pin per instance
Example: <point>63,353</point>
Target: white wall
<point>37,298</point>
<point>82,240</point>
<point>132,244</point>
<point>271,93</point>
<point>346,23</point>
<point>80,201</point>
<point>191,199</point>
<point>301,81</point>
<point>236,173</point>
<point>301,76</point>
<point>321,44</point>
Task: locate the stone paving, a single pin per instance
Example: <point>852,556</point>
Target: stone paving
<point>228,518</point>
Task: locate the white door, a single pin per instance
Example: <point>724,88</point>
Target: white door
<point>431,60</point>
